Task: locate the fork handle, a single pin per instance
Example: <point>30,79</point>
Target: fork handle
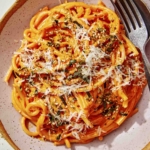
<point>145,12</point>
<point>146,63</point>
<point>147,75</point>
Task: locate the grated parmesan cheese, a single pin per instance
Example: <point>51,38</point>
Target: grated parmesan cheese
<point>81,34</point>
<point>76,135</point>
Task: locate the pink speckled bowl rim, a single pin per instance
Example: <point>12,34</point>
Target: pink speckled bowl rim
<point>17,4</point>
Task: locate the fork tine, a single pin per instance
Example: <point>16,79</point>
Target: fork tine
<point>129,14</point>
<point>123,15</point>
<point>129,6</point>
<point>138,14</point>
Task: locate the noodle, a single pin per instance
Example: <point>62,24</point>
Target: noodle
<point>77,75</point>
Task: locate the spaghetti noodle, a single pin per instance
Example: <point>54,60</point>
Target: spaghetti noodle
<point>77,76</point>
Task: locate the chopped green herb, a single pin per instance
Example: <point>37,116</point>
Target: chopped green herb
<point>112,108</point>
<point>22,68</point>
<point>36,92</point>
<point>51,117</point>
<point>69,77</point>
<point>73,61</point>
<point>105,112</point>
<point>31,83</point>
<point>60,123</point>
<point>109,49</point>
<point>113,37</point>
<point>65,28</point>
<point>58,112</point>
<point>60,107</point>
<point>56,21</point>
<point>77,74</point>
<point>63,100</point>
<point>82,62</point>
<point>108,106</point>
<point>100,29</point>
<point>57,45</point>
<point>50,44</point>
<point>77,23</point>
<point>109,110</point>
<point>86,79</point>
<point>123,114</point>
<point>58,137</point>
<point>104,104</point>
<point>70,19</point>
<point>119,67</point>
<point>89,95</point>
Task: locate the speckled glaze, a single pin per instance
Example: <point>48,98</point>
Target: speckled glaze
<point>134,134</point>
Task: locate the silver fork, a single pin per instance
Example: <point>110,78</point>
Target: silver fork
<point>135,28</point>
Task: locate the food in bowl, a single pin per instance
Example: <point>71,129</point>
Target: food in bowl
<point>77,76</point>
